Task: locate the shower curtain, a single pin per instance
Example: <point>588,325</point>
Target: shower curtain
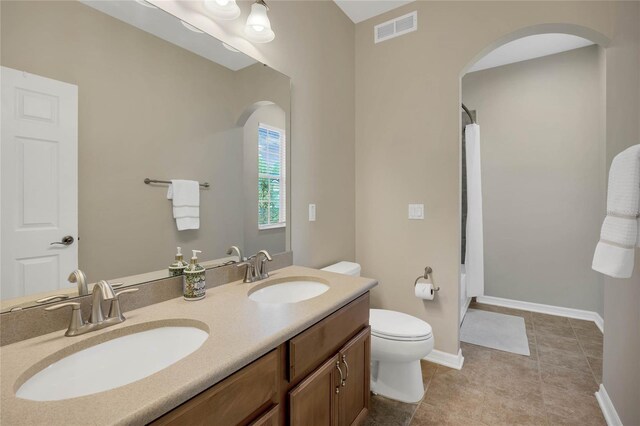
<point>474,253</point>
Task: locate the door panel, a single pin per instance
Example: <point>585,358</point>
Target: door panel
<point>353,404</point>
<point>39,183</point>
<point>313,401</point>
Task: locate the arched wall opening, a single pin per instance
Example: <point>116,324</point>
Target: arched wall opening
<point>598,158</point>
<point>263,114</point>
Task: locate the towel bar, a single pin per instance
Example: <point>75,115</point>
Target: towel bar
<point>148,181</point>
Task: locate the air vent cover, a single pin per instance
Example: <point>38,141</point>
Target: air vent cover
<point>396,27</point>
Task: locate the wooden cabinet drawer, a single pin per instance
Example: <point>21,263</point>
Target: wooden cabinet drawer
<point>235,400</point>
<point>313,346</point>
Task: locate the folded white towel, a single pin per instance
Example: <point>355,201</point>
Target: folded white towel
<point>186,203</point>
<point>620,232</point>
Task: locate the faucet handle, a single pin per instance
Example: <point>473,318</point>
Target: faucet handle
<point>76,316</point>
<point>249,275</point>
<point>52,298</point>
<point>114,310</point>
<point>74,305</point>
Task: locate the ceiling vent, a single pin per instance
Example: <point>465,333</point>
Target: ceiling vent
<point>396,27</point>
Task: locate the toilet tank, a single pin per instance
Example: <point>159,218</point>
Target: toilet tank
<point>346,268</point>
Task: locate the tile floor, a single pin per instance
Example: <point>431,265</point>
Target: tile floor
<point>553,386</point>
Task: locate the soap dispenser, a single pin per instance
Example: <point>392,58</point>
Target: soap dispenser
<point>194,285</point>
<point>177,268</point>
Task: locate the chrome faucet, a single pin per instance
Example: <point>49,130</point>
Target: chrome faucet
<point>102,291</point>
<point>262,271</point>
<point>256,267</point>
<point>250,272</point>
<point>79,277</point>
<point>238,252</point>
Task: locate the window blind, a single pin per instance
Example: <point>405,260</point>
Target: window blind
<point>271,177</point>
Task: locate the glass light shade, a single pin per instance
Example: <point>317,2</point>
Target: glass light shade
<point>226,10</point>
<point>258,27</point>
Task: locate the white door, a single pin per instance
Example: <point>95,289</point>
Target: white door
<point>39,183</point>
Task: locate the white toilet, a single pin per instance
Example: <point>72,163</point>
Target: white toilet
<point>398,343</point>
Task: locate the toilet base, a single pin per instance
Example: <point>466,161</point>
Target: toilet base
<point>400,381</point>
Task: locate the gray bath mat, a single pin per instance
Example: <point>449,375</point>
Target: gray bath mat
<point>497,331</point>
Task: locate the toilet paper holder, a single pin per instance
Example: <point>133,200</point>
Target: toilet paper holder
<point>427,272</point>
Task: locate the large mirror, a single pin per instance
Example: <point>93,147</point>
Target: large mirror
<point>104,103</point>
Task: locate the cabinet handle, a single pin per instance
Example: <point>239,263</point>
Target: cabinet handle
<point>346,366</point>
<point>341,377</point>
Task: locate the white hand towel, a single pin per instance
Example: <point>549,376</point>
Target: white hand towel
<point>186,203</point>
<point>620,232</point>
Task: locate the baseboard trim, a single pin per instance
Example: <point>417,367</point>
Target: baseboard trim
<point>608,410</point>
<point>544,309</point>
<point>446,359</point>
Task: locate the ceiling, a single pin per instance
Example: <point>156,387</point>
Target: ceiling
<point>531,47</point>
<point>361,10</point>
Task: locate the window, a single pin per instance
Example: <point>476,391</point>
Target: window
<point>271,177</point>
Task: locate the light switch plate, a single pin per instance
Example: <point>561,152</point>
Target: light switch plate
<point>416,211</point>
<point>312,212</point>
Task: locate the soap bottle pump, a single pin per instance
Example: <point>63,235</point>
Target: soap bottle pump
<point>177,268</point>
<point>194,285</point>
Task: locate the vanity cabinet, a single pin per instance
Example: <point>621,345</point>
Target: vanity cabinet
<point>313,401</point>
<point>353,399</point>
<point>238,399</point>
<point>319,377</point>
<point>337,393</point>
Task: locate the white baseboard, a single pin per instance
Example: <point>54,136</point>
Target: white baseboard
<point>544,309</point>
<point>608,410</point>
<point>446,359</point>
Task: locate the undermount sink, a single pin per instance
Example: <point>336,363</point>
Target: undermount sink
<point>113,363</point>
<point>289,290</point>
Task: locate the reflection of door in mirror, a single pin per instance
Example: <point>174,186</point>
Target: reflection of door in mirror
<point>155,100</point>
<point>39,183</point>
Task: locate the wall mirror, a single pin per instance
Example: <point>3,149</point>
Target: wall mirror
<point>98,96</point>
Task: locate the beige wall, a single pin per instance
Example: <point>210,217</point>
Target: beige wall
<point>543,173</point>
<point>314,46</point>
<point>408,139</point>
<point>146,109</point>
<point>621,374</point>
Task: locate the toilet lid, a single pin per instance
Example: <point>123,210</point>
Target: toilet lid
<point>397,325</point>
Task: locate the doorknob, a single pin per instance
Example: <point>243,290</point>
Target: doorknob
<point>67,240</point>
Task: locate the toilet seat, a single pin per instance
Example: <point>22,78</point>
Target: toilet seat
<point>398,326</point>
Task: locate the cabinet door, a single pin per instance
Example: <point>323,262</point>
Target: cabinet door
<point>313,401</point>
<point>270,418</point>
<point>355,359</point>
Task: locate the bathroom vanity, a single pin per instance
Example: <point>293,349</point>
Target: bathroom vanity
<point>262,363</point>
<point>321,376</point>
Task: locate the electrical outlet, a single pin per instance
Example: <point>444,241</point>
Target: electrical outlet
<point>312,212</point>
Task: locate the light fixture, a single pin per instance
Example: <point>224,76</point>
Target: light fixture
<point>258,27</point>
<point>191,27</point>
<point>223,9</point>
